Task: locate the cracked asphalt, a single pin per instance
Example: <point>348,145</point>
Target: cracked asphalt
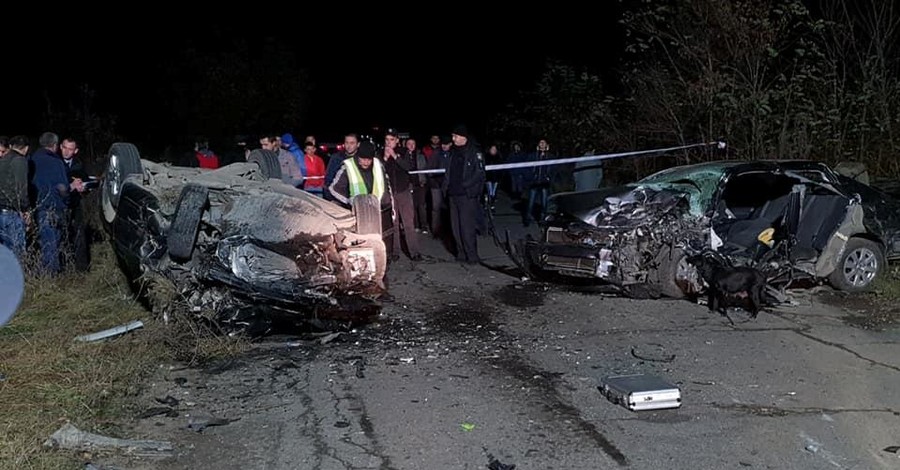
<point>471,365</point>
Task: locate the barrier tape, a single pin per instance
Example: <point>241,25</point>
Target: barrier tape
<point>588,158</point>
<point>560,161</point>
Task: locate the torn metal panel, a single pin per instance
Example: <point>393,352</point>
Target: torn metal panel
<point>111,332</point>
<point>852,224</point>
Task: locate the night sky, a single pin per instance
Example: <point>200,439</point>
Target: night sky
<point>416,75</point>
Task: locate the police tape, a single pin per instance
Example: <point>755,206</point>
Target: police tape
<point>587,158</point>
<point>560,161</point>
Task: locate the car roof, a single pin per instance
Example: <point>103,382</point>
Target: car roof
<point>732,166</point>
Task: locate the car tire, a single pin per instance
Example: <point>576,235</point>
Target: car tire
<point>861,263</point>
<point>667,262</point>
<point>268,163</point>
<point>186,222</point>
<point>123,160</point>
<point>367,209</point>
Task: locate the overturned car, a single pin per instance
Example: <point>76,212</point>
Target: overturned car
<point>793,220</point>
<point>236,244</point>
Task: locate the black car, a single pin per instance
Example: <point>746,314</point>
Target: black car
<point>793,219</point>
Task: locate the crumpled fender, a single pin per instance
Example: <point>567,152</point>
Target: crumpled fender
<point>834,249</point>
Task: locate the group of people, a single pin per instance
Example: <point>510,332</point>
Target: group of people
<point>423,188</point>
<point>457,176</point>
<point>419,203</point>
<point>40,194</point>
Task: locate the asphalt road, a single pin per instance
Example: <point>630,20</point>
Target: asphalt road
<point>470,365</point>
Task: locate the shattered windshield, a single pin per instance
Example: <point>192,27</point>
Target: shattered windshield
<point>698,181</point>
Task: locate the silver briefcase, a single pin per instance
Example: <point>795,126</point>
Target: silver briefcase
<point>640,392</point>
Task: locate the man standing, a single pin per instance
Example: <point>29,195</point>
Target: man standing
<point>351,144</point>
<point>361,174</point>
<point>438,161</point>
<point>420,186</point>
<point>52,188</point>
<point>540,182</point>
<point>75,234</point>
<point>203,156</point>
<point>290,171</point>
<point>14,195</point>
<point>464,185</point>
<point>314,179</point>
<point>397,163</point>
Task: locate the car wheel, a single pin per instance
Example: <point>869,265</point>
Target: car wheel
<point>367,209</point>
<point>123,160</point>
<point>186,222</point>
<point>268,163</point>
<point>669,262</point>
<point>859,266</point>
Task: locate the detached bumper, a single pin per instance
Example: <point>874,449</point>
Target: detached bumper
<point>535,257</point>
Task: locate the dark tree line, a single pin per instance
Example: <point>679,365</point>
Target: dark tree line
<point>218,89</point>
<point>773,78</point>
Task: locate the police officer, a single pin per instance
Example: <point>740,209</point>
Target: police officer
<point>361,174</point>
<point>464,185</point>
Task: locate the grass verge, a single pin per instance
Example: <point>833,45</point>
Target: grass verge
<point>49,378</point>
<point>887,289</point>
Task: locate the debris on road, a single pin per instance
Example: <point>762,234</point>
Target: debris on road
<point>667,358</point>
<point>71,438</point>
<point>497,465</point>
<point>199,423</point>
<point>168,401</point>
<point>109,333</point>
<point>158,410</point>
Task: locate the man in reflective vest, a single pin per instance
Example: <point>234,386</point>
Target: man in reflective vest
<point>362,174</point>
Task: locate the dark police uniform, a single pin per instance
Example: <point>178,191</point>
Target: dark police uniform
<point>464,185</point>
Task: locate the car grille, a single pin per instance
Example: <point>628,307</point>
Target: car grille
<point>557,235</point>
<point>580,264</point>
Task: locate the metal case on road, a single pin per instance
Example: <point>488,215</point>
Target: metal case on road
<point>640,392</point>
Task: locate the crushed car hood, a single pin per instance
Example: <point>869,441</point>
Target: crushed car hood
<point>621,207</point>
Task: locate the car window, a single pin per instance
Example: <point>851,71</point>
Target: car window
<point>813,175</point>
<point>700,184</point>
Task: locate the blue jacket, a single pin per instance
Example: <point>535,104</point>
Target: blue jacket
<point>300,156</point>
<point>50,183</point>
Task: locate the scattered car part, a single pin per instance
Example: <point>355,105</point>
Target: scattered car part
<point>70,437</point>
<point>109,333</point>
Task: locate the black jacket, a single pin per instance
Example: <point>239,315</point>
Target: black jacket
<point>340,187</point>
<point>75,169</point>
<point>398,169</point>
<point>471,180</point>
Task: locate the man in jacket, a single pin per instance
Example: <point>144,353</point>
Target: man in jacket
<point>464,185</point>
<point>52,188</point>
<point>351,145</point>
<point>397,162</point>
<point>438,161</point>
<point>14,194</point>
<point>361,174</point>
<point>76,246</point>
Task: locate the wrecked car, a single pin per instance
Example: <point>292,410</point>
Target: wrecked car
<point>794,220</point>
<point>238,245</point>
